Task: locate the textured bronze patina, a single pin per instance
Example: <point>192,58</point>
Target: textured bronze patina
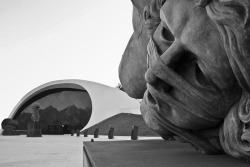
<point>198,73</point>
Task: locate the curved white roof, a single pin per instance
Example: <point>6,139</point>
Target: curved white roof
<point>106,101</point>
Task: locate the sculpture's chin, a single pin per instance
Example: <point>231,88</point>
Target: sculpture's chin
<point>152,116</point>
<point>159,122</point>
<point>158,107</point>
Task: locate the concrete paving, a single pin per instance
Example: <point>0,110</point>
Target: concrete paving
<point>47,151</point>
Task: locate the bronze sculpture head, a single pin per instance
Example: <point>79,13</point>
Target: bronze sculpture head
<point>198,76</point>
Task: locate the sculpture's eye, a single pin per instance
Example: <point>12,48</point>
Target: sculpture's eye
<point>200,77</point>
<point>158,4</point>
<point>146,13</point>
<point>201,3</point>
<point>166,34</point>
<point>161,2</point>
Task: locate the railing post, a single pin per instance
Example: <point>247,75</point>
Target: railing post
<point>111,133</point>
<point>77,132</point>
<point>86,133</point>
<point>96,133</point>
<point>134,133</point>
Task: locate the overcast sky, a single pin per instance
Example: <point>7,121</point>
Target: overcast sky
<point>47,40</point>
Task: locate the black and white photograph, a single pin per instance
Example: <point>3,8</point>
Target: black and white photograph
<point>125,83</point>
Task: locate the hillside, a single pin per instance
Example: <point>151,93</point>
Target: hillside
<point>122,124</point>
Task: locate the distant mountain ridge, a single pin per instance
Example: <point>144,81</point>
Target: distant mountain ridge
<point>71,116</point>
<point>62,100</point>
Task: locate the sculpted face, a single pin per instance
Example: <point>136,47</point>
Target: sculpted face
<point>190,78</point>
<point>191,83</point>
<point>197,76</point>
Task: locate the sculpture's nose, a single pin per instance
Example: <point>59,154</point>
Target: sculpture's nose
<point>173,54</point>
<point>163,38</point>
<point>166,46</point>
<point>171,58</point>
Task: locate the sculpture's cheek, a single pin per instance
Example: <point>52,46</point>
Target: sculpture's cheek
<point>133,65</point>
<point>204,41</point>
<point>132,69</point>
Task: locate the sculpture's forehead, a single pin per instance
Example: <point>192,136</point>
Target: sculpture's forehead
<point>177,13</point>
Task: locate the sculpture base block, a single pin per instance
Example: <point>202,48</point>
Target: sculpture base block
<point>10,133</point>
<point>150,153</point>
<point>34,129</point>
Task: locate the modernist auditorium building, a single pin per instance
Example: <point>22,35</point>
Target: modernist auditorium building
<point>75,104</point>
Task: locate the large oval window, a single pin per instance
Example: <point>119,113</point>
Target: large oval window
<point>70,108</point>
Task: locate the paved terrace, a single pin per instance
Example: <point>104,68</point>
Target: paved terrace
<point>46,151</point>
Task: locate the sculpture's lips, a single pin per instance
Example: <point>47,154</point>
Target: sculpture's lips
<point>193,102</point>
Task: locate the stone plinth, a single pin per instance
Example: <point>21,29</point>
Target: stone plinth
<point>55,129</point>
<point>152,153</point>
<point>10,133</point>
<point>34,129</point>
<point>9,127</point>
